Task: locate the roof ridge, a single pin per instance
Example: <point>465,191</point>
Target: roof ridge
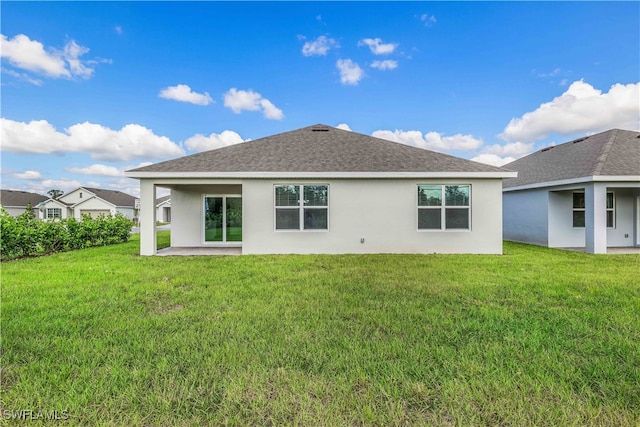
<point>602,158</point>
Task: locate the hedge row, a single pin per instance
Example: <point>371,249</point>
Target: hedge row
<point>25,236</point>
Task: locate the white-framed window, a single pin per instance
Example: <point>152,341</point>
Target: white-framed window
<point>444,207</point>
<point>301,207</point>
<point>53,213</point>
<point>611,210</point>
<point>579,209</point>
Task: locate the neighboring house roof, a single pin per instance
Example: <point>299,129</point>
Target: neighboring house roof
<point>13,198</point>
<point>116,198</point>
<point>164,199</point>
<point>317,149</point>
<point>615,152</point>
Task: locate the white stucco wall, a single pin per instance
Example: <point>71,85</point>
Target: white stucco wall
<point>127,212</point>
<point>17,211</point>
<point>188,211</point>
<point>525,216</point>
<point>383,212</point>
<point>52,205</point>
<point>74,196</point>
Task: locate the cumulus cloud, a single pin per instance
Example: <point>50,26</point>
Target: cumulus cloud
<point>350,72</point>
<point>377,47</point>
<point>97,169</point>
<point>29,175</point>
<point>515,149</point>
<point>387,64</point>
<point>240,100</point>
<point>31,55</point>
<point>102,143</point>
<point>183,93</point>
<point>344,126</point>
<point>200,142</point>
<point>581,109</point>
<point>319,46</point>
<point>431,140</point>
<point>492,159</point>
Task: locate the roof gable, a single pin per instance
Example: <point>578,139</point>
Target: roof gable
<point>615,152</point>
<point>116,198</point>
<point>14,198</point>
<point>316,149</point>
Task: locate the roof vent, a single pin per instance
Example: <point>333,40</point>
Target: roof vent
<point>579,140</point>
<point>638,136</point>
<point>320,128</point>
<point>547,148</point>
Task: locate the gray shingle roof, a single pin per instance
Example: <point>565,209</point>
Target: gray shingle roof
<point>319,148</point>
<point>615,152</point>
<point>162,199</point>
<point>118,198</point>
<point>14,198</point>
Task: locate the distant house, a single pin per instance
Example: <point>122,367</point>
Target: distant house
<point>583,193</point>
<point>91,201</point>
<point>324,190</point>
<point>163,209</point>
<point>16,202</point>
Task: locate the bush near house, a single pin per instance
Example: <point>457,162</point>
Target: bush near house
<point>25,236</point>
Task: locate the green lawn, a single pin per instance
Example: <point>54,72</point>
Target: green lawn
<point>534,337</point>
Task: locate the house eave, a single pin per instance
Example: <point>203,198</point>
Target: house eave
<point>573,181</point>
<point>323,175</point>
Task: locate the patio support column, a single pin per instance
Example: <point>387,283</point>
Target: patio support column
<point>147,217</point>
<point>595,201</point>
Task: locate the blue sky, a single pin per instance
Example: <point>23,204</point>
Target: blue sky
<point>92,89</point>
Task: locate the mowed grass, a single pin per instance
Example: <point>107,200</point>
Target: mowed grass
<point>533,337</point>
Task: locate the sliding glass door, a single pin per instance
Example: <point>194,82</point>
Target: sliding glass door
<point>223,219</point>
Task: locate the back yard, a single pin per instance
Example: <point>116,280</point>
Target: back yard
<point>534,337</point>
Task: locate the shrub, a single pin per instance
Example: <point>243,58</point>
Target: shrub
<point>25,236</point>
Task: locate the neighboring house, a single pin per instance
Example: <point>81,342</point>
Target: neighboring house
<point>91,201</point>
<point>163,209</point>
<point>16,202</point>
<point>583,193</point>
<point>324,190</point>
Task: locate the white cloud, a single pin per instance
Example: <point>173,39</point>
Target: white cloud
<point>30,174</point>
<point>387,64</point>
<point>200,142</point>
<point>97,169</point>
<point>344,126</point>
<point>30,55</point>
<point>118,29</point>
<point>239,100</point>
<point>319,46</point>
<point>63,184</point>
<point>432,140</point>
<point>377,47</point>
<point>350,72</point>
<point>102,143</point>
<point>22,76</point>
<point>581,109</point>
<point>492,159</point>
<point>183,93</point>
<point>515,149</point>
<point>427,19</point>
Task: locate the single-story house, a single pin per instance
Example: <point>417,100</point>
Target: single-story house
<point>583,193</point>
<point>163,207</point>
<point>91,201</point>
<point>325,190</point>
<point>16,202</point>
